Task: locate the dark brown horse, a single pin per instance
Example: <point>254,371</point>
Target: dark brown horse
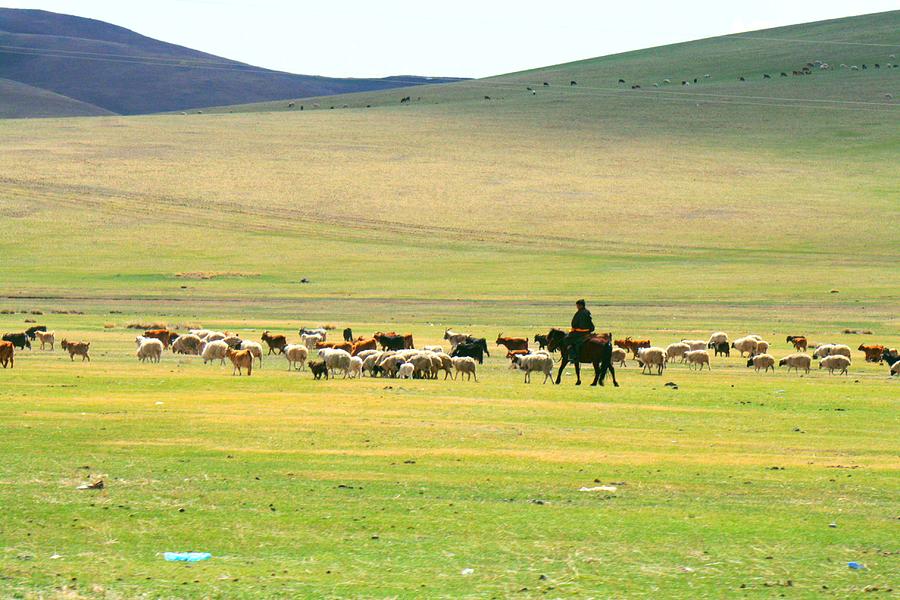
<point>597,351</point>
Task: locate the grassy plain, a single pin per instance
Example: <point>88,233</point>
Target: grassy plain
<point>674,215</point>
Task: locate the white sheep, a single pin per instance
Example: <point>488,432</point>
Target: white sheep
<point>446,365</point>
<point>678,350</point>
<point>336,360</point>
<point>745,344</point>
<point>255,349</point>
<point>355,367</point>
<point>719,337</point>
<point>296,354</point>
<point>149,349</point>
<point>406,371</point>
<point>796,361</point>
<point>465,365</point>
<point>215,350</point>
<point>215,336</point>
<point>311,339</point>
<point>188,343</point>
<point>370,362</point>
<point>895,368</point>
<point>697,357</point>
<point>539,361</point>
<point>650,357</point>
<point>435,349</point>
<point>618,356</point>
<point>835,362</point>
<point>695,344</point>
<point>762,346</point>
<point>200,333</point>
<point>762,361</point>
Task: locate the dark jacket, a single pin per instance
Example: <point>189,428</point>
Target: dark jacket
<point>583,320</point>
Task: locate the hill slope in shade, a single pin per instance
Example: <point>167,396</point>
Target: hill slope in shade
<point>124,72</point>
<point>19,100</point>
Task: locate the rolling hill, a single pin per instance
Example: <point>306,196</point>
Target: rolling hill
<point>123,72</point>
<point>19,100</point>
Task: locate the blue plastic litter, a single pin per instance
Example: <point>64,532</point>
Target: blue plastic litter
<point>187,556</point>
<point>856,565</point>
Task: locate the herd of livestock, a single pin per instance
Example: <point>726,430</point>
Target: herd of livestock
<point>394,355</point>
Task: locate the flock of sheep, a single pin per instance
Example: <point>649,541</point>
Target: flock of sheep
<point>360,357</point>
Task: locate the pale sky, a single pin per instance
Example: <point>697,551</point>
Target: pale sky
<point>365,38</point>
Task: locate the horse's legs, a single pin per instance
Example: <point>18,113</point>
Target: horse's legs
<point>612,371</point>
<point>596,373</point>
<point>577,372</point>
<point>562,366</point>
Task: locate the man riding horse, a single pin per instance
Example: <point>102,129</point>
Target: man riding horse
<point>582,328</point>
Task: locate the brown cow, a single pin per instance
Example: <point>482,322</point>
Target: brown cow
<point>241,358</point>
<point>364,344</point>
<point>163,335</point>
<point>276,343</point>
<point>346,346</point>
<point>7,352</point>
<point>874,353</point>
<point>77,349</point>
<point>632,345</point>
<point>799,341</point>
<point>512,343</point>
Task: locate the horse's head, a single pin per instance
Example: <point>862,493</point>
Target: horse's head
<point>554,338</point>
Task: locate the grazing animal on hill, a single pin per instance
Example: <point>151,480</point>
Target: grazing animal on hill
<point>474,350</point>
<point>677,350</point>
<point>632,345</point>
<point>7,354</point>
<point>873,352</point>
<point>255,349</point>
<point>406,371</point>
<point>799,342</point>
<point>895,368</point>
<point>573,82</point>
<point>46,337</point>
<point>745,344</point>
<point>276,343</point>
<point>718,337</point>
<point>19,340</point>
<point>596,350</point>
<point>762,361</point>
<point>831,350</point>
<point>77,349</point>
<point>796,361</point>
<point>241,359</point>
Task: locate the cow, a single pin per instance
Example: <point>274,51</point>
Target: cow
<point>163,335</point>
<point>482,342</point>
<point>799,341</point>
<point>890,356</point>
<point>7,354</point>
<point>276,343</point>
<point>722,348</point>
<point>345,346</point>
<point>512,343</point>
<point>475,350</point>
<point>348,335</point>
<point>632,345</point>
<point>874,353</point>
<point>541,340</point>
<point>19,340</point>
<point>394,341</point>
<point>362,345</point>
<point>31,332</point>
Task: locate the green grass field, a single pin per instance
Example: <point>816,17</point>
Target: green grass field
<point>768,206</point>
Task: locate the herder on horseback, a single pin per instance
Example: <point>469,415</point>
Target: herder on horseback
<point>582,345</point>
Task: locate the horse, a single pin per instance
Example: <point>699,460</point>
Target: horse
<point>596,350</point>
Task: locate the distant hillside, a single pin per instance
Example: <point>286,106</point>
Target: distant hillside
<point>711,69</point>
<point>121,71</point>
<point>19,100</point>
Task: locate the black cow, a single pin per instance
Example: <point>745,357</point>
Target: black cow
<point>481,342</point>
<point>890,356</point>
<point>471,350</point>
<point>348,335</point>
<point>391,342</point>
<point>19,340</point>
<point>30,331</point>
<point>723,348</point>
<point>541,340</point>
